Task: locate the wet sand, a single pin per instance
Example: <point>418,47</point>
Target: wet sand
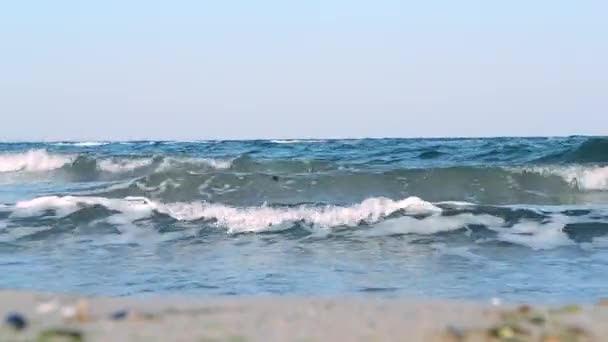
<point>53,317</point>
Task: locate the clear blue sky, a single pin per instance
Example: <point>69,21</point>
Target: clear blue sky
<point>233,69</point>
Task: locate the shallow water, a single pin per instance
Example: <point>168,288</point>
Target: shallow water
<point>522,219</point>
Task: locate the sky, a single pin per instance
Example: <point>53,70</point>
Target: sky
<point>187,69</point>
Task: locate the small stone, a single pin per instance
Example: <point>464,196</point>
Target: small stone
<point>537,320</point>
<point>525,309</point>
<point>119,315</point>
<point>16,321</point>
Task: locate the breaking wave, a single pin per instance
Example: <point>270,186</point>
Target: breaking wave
<point>33,161</point>
<point>536,228</point>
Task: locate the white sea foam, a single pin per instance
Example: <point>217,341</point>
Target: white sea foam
<point>583,177</point>
<point>374,212</point>
<point>14,233</point>
<point>66,205</point>
<point>430,225</point>
<point>536,235</point>
<point>220,164</point>
<point>33,160</point>
<point>254,219</point>
<point>234,219</point>
<point>82,143</point>
<point>117,165</point>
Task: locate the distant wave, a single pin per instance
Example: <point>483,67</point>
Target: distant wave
<point>592,150</point>
<point>41,160</point>
<point>82,143</point>
<point>34,160</point>
<point>297,141</point>
<point>245,180</point>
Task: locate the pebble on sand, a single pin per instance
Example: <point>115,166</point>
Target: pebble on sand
<point>16,320</point>
<point>119,315</point>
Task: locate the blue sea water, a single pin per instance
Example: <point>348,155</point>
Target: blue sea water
<point>522,219</point>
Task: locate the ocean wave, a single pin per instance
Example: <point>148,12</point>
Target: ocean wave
<point>234,219</point>
<point>590,150</point>
<point>540,228</point>
<point>33,161</point>
<point>247,181</point>
<point>118,165</point>
<point>41,160</point>
<point>297,141</point>
<point>592,178</point>
<point>82,143</point>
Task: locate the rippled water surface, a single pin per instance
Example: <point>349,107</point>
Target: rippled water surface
<point>522,219</point>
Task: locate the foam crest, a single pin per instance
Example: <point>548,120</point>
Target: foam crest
<point>430,225</point>
<point>536,235</point>
<point>82,143</point>
<point>119,165</point>
<point>376,215</point>
<point>582,177</point>
<point>255,219</point>
<point>33,160</point>
<point>130,207</point>
<point>170,162</point>
<point>251,219</point>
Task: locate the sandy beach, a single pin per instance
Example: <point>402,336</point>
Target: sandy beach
<point>52,317</point>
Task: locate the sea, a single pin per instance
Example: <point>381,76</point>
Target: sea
<point>513,219</point>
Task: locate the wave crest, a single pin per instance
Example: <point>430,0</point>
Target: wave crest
<point>135,218</point>
<point>33,161</point>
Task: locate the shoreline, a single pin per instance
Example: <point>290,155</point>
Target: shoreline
<point>61,317</point>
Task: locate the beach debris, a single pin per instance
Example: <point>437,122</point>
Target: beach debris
<point>60,335</point>
<point>16,321</point>
<point>78,312</point>
<point>47,307</point>
<point>524,309</point>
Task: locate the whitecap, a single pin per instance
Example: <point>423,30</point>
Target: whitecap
<point>33,161</point>
<point>251,219</point>
<point>536,235</point>
<point>591,178</point>
<point>117,165</point>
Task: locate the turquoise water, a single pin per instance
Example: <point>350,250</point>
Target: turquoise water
<point>522,219</point>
